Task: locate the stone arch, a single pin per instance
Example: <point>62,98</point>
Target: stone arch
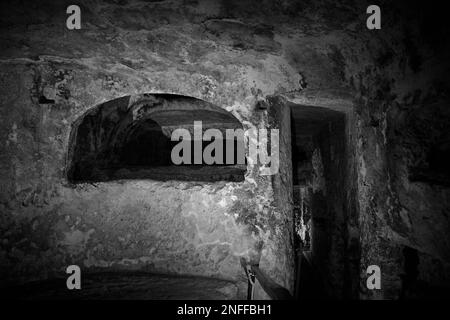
<point>129,138</point>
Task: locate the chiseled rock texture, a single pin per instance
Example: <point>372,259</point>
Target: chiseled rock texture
<point>238,55</point>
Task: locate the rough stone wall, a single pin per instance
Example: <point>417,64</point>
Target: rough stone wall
<point>164,227</point>
<point>48,223</point>
<point>395,211</point>
<point>399,77</point>
<point>233,54</point>
<point>280,118</point>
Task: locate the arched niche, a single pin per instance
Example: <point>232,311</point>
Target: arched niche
<point>130,138</point>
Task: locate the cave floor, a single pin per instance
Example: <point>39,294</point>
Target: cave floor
<point>127,286</point>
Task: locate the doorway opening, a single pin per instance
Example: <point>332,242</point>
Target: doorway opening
<point>319,165</point>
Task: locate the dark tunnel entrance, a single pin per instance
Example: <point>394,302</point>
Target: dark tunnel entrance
<point>130,138</point>
<point>319,165</point>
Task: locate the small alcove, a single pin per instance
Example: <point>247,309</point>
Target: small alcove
<point>130,138</point>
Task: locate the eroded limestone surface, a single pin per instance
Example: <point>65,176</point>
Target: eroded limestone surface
<point>250,58</point>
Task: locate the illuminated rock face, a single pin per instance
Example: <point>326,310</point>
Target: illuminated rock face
<point>380,185</point>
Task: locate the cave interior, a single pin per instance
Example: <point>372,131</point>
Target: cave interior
<point>358,175</point>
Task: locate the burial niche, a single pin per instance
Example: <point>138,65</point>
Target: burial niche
<point>130,138</point>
